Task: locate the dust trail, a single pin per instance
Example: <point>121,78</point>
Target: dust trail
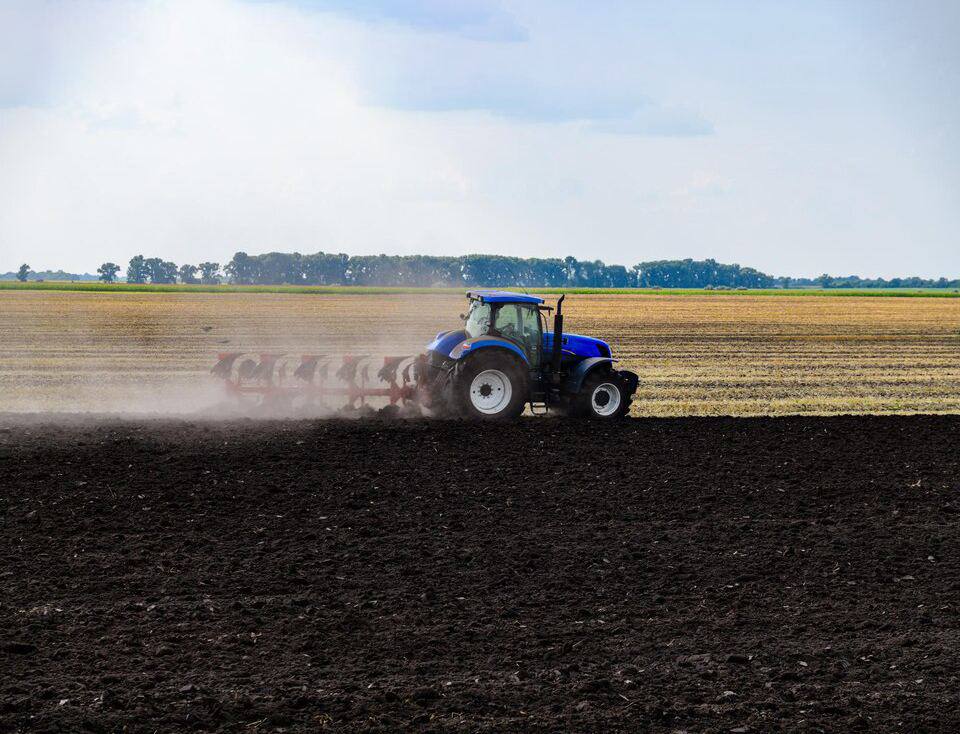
<point>151,354</point>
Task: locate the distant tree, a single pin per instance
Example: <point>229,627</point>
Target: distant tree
<point>325,269</point>
<point>167,274</point>
<point>108,272</point>
<point>209,273</point>
<point>23,272</point>
<point>137,270</point>
<point>698,274</point>
<point>154,266</point>
<point>161,271</point>
<point>280,267</point>
<point>243,269</point>
<point>188,274</point>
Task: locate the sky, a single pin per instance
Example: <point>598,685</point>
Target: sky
<point>797,137</point>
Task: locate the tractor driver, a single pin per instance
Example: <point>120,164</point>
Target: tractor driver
<point>478,319</point>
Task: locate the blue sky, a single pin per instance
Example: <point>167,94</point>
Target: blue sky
<point>797,137</point>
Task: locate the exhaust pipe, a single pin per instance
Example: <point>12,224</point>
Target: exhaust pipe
<point>557,341</point>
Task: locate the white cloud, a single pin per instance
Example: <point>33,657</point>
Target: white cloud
<point>483,20</point>
<point>657,120</point>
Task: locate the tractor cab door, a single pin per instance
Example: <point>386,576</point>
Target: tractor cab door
<point>520,323</point>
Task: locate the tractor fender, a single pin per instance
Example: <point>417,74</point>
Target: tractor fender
<point>472,346</point>
<point>581,369</point>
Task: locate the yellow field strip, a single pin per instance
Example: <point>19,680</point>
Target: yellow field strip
<point>696,355</point>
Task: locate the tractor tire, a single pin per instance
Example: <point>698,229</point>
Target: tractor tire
<point>490,387</point>
<point>602,397</point>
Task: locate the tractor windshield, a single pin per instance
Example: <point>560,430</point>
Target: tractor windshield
<point>478,319</point>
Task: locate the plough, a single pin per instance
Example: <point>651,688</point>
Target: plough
<point>312,380</point>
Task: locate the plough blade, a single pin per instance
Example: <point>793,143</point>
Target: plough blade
<point>388,373</point>
<point>307,369</point>
<point>348,370</point>
<point>224,366</point>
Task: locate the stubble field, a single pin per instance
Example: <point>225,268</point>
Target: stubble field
<point>696,355</point>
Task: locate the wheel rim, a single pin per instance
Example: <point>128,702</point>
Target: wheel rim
<point>490,392</point>
<point>605,399</point>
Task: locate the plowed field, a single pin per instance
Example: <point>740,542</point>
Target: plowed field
<point>759,575</point>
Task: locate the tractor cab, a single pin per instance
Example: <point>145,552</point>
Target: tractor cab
<point>515,317</point>
<point>520,318</point>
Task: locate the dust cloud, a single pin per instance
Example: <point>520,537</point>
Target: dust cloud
<point>149,354</point>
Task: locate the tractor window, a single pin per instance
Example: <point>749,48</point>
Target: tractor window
<point>530,323</point>
<point>478,319</point>
<point>508,321</point>
<point>532,336</point>
<point>521,323</point>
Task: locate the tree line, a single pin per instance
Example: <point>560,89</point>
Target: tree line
<point>498,271</point>
<point>157,270</point>
<point>278,268</point>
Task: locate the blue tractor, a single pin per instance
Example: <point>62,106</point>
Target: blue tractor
<point>503,358</point>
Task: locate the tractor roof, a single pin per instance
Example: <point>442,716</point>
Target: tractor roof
<point>503,297</point>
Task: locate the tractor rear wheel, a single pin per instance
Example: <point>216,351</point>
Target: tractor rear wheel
<point>490,387</point>
<point>602,397</point>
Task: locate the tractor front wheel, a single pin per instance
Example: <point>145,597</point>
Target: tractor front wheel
<point>602,397</point>
<point>490,387</point>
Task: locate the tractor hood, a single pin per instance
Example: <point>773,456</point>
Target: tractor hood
<point>580,346</point>
<point>444,342</point>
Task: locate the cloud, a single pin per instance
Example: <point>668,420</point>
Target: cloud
<point>480,20</point>
<point>439,68</point>
<point>509,84</point>
<point>611,111</point>
<point>702,184</point>
<point>519,99</point>
<point>44,43</point>
<point>656,120</point>
<point>23,56</point>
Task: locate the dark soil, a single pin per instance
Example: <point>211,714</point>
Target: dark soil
<point>758,575</point>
